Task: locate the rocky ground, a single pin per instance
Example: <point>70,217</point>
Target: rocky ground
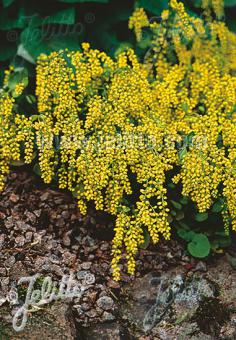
<point>171,297</point>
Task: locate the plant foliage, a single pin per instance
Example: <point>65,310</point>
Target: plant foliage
<point>129,135</point>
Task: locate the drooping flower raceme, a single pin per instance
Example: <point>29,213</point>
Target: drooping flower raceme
<point>109,130</point>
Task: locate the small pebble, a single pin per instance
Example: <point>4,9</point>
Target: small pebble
<point>14,198</point>
<point>105,302</point>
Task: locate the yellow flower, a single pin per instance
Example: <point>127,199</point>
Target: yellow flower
<point>110,130</point>
<point>137,21</point>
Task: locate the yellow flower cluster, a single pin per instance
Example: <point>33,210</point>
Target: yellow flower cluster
<point>19,89</point>
<point>216,5</point>
<point>16,133</point>
<point>196,90</point>
<point>110,130</point>
<point>183,21</point>
<point>97,117</point>
<point>137,21</point>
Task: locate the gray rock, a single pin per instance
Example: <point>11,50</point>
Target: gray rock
<point>164,299</point>
<point>66,240</point>
<point>14,198</point>
<point>12,296</point>
<point>22,225</point>
<point>31,217</point>
<point>4,284</point>
<point>105,303</point>
<point>85,277</point>
<point>106,331</point>
<point>65,214</point>
<point>104,246</point>
<point>60,222</point>
<point>2,240</point>
<point>106,316</point>
<point>187,301</point>
<point>44,196</point>
<point>9,222</point>
<point>18,270</point>
<point>3,272</point>
<point>3,299</point>
<point>85,307</point>
<point>152,296</point>
<point>55,322</point>
<point>113,284</point>
<point>91,313</point>
<point>10,261</point>
<point>88,241</point>
<point>38,212</point>
<point>86,265</point>
<point>20,241</point>
<point>39,263</point>
<point>201,266</point>
<point>56,269</point>
<point>28,236</point>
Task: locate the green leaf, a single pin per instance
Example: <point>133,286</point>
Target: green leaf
<point>33,118</point>
<point>35,43</point>
<point>2,75</point>
<point>21,162</point>
<point>215,245</point>
<point>177,205</point>
<point>146,41</point>
<point>36,169</point>
<point>154,6</point>
<point>179,215</point>
<point>9,23</point>
<point>224,242</point>
<point>31,39</point>
<point>125,209</point>
<point>7,3</point>
<point>17,163</point>
<point>201,109</point>
<point>185,107</point>
<point>171,185</point>
<point>230,3</point>
<point>81,1</point>
<point>182,153</point>
<point>23,53</point>
<point>231,24</point>
<point>200,217</point>
<point>7,51</point>
<point>186,235</point>
<point>78,188</point>
<point>109,40</point>
<point>184,200</point>
<point>217,207</point>
<point>199,246</point>
<point>20,75</point>
<point>183,225</point>
<point>221,233</point>
<point>120,14</point>
<point>67,17</point>
<point>146,242</point>
<point>182,233</point>
<point>197,3</point>
<point>188,139</point>
<point>31,99</point>
<point>170,218</point>
<point>123,47</point>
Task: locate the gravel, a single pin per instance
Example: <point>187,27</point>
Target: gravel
<point>44,233</point>
<point>105,303</point>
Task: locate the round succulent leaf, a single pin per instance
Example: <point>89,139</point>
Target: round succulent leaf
<point>199,246</point>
